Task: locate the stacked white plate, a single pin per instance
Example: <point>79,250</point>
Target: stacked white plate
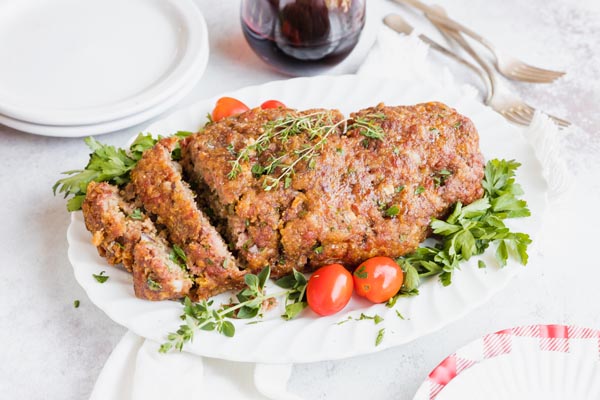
<point>83,67</point>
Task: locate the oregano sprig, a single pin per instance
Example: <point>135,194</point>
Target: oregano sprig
<point>251,301</point>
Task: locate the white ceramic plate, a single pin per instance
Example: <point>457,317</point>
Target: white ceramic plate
<point>550,362</point>
<point>108,126</point>
<point>70,62</point>
<point>311,338</point>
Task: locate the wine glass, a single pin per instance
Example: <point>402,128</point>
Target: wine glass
<point>302,37</point>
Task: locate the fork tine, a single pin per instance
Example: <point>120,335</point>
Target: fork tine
<point>510,117</point>
<point>526,114</point>
<point>530,78</point>
<point>561,122</point>
<point>518,119</point>
<point>530,75</point>
<point>537,70</point>
<point>515,117</point>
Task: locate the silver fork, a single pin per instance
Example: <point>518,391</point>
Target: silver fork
<point>499,99</point>
<point>506,64</point>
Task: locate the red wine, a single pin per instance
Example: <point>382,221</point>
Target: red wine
<point>302,37</point>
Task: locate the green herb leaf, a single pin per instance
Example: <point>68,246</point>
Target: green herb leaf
<point>106,164</point>
<point>392,211</point>
<point>292,310</point>
<point>227,328</point>
<point>361,272</point>
<point>153,285</point>
<point>76,304</point>
<point>136,214</point>
<point>101,278</point>
<point>380,335</point>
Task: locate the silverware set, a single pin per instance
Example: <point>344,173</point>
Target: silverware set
<point>498,96</point>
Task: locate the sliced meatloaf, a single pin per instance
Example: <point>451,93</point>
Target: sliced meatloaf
<point>252,216</point>
<point>371,188</point>
<point>124,235</point>
<point>158,183</point>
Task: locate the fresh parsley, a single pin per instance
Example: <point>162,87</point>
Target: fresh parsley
<point>106,164</point>
<point>76,304</point>
<point>470,230</point>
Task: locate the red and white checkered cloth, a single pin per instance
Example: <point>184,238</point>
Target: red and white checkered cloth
<point>548,337</point>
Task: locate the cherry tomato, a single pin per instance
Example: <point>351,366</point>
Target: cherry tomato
<point>272,104</point>
<point>226,107</point>
<point>329,289</point>
<point>378,279</point>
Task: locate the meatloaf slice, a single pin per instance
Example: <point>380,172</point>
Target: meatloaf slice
<point>158,183</point>
<point>369,190</point>
<point>124,235</point>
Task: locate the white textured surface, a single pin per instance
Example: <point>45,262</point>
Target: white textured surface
<point>62,349</point>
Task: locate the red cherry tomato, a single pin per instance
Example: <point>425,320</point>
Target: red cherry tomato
<point>272,104</point>
<point>378,279</point>
<point>226,107</point>
<point>329,289</point>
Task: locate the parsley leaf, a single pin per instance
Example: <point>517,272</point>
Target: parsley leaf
<point>106,164</point>
<point>470,230</point>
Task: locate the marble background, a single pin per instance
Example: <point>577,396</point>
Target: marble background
<point>50,350</point>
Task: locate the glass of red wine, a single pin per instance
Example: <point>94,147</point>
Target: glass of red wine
<point>302,37</point>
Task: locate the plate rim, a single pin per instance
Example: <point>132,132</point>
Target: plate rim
<point>185,68</point>
<point>449,369</point>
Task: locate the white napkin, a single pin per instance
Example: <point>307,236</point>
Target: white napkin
<point>135,369</point>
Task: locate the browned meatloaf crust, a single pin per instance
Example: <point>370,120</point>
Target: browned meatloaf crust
<point>358,197</point>
<point>336,210</point>
<point>158,183</point>
<point>125,237</point>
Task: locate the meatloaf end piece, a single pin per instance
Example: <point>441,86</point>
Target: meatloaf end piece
<point>158,182</point>
<point>374,197</point>
<point>131,239</point>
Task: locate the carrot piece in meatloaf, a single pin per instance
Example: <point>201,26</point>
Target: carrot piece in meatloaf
<point>158,182</point>
<point>124,235</point>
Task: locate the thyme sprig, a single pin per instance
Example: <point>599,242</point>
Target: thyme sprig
<point>251,301</point>
<point>367,126</point>
<point>317,125</point>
